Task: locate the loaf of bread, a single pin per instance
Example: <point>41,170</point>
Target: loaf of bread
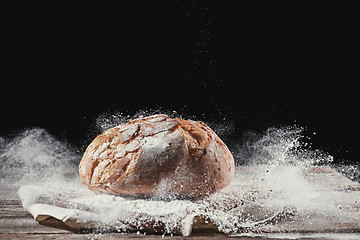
<point>157,155</point>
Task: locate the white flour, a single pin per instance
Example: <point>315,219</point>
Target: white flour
<point>278,180</point>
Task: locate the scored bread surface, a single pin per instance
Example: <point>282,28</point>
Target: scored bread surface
<point>157,155</point>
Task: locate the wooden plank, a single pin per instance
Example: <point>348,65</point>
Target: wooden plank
<point>124,236</point>
<point>14,219</point>
<point>120,236</point>
<point>16,223</point>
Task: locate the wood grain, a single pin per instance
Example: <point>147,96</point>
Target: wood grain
<point>16,223</point>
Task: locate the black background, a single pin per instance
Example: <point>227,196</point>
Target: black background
<point>255,64</point>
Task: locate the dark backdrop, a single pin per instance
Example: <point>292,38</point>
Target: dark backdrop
<point>255,64</point>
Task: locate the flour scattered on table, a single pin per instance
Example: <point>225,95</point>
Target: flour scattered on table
<point>279,184</point>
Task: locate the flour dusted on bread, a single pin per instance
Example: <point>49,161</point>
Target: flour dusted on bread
<point>157,155</point>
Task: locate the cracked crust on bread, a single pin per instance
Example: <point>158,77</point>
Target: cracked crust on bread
<point>157,155</point>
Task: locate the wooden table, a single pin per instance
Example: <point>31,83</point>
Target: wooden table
<point>16,223</point>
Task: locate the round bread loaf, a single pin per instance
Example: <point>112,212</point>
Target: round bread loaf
<point>157,155</point>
